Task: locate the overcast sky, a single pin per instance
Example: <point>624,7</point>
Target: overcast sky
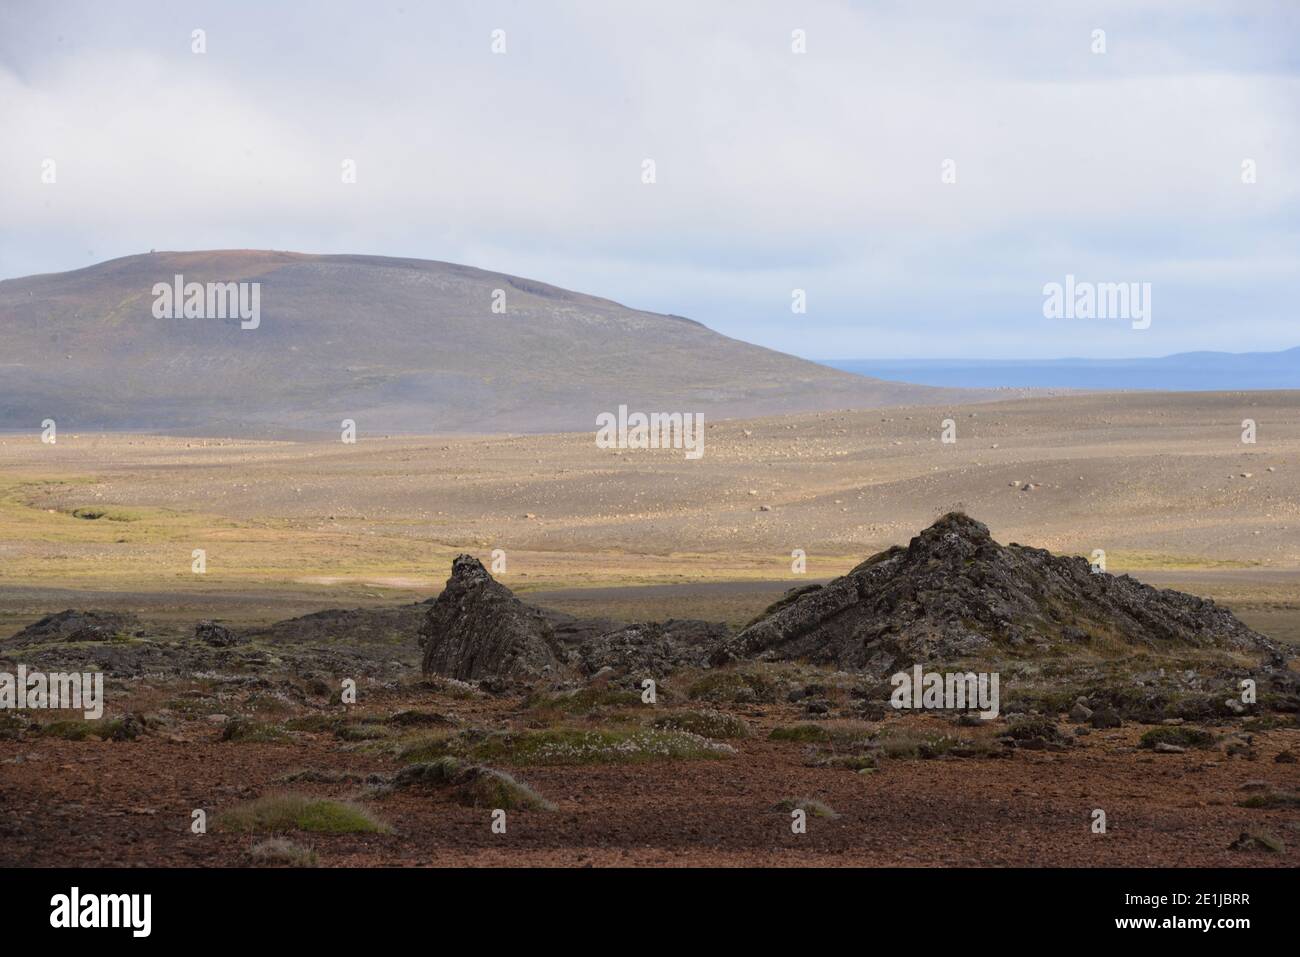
<point>774,170</point>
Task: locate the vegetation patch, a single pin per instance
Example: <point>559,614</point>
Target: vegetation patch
<point>298,812</point>
<point>849,762</point>
<point>281,852</point>
<point>568,746</point>
<point>1034,726</point>
<point>475,785</point>
<point>420,719</point>
<point>80,729</point>
<point>1272,799</point>
<point>800,732</point>
<point>1181,737</point>
<point>735,687</point>
<point>706,723</point>
<point>362,732</point>
<point>247,731</point>
<point>913,744</point>
<point>584,702</point>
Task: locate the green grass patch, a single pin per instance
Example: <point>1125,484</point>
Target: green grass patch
<point>814,733</point>
<point>298,812</point>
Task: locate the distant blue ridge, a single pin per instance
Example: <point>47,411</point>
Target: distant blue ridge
<point>1184,372</point>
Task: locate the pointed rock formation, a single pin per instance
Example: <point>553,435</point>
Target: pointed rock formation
<point>477,628</point>
<point>954,592</point>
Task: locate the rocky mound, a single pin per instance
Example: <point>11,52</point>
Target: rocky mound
<point>954,592</point>
<point>72,625</point>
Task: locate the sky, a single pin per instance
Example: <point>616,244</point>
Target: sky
<point>774,170</point>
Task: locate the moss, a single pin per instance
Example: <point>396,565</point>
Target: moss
<point>707,723</point>
<point>1181,737</point>
<point>297,812</point>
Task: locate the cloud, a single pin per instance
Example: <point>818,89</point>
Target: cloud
<point>774,170</point>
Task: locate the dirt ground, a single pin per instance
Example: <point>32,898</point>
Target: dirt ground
<point>130,802</point>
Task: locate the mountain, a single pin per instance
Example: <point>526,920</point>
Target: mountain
<point>1182,372</point>
<point>398,345</point>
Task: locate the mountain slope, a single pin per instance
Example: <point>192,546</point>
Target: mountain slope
<point>396,344</point>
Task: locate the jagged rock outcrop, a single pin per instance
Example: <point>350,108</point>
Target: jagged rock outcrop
<point>477,628</point>
<point>954,592</point>
<point>73,625</point>
<point>218,636</point>
<point>656,648</point>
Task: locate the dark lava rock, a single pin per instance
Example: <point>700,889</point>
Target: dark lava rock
<point>477,628</point>
<point>954,592</point>
<point>218,636</point>
<point>72,625</point>
<point>655,648</point>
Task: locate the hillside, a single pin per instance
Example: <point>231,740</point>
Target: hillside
<point>398,345</point>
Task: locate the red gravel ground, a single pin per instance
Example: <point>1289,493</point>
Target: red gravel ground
<point>130,803</point>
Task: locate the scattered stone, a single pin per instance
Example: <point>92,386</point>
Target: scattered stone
<point>1164,747</point>
<point>1080,713</point>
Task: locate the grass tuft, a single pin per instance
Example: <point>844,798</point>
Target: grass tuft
<point>298,812</point>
